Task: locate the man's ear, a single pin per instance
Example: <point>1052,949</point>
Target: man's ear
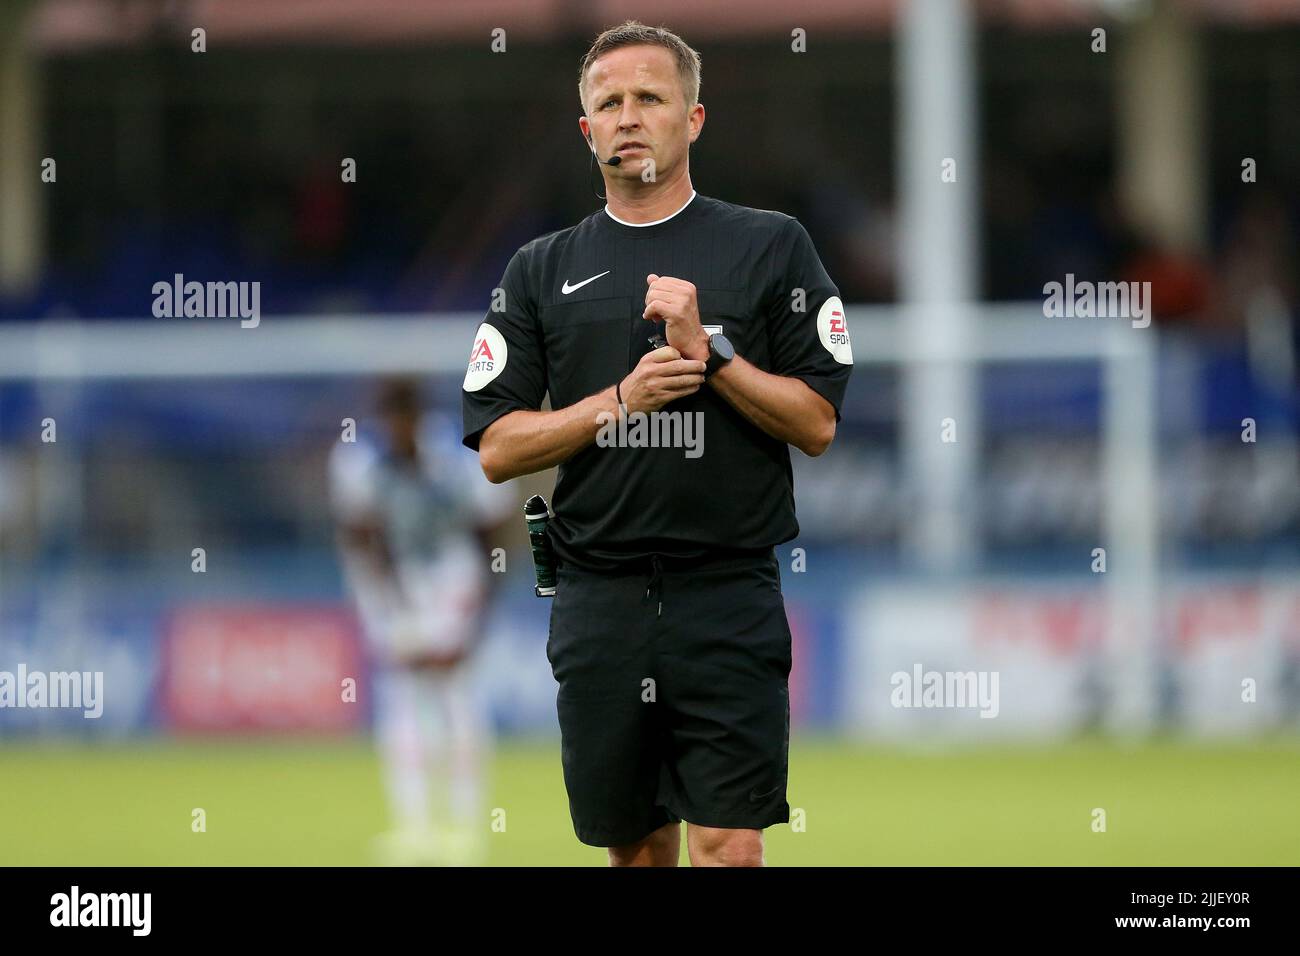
<point>699,127</point>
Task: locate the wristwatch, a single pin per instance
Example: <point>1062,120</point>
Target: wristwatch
<point>720,353</point>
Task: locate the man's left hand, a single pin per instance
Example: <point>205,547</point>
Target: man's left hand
<point>672,302</point>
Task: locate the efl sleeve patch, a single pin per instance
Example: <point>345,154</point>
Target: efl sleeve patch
<point>834,331</point>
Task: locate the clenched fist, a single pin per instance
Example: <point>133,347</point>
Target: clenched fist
<point>672,302</point>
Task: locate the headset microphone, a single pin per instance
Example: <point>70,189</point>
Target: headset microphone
<point>612,161</point>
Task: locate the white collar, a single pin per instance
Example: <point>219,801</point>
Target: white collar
<point>623,222</point>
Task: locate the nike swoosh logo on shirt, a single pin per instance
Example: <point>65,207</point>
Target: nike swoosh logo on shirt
<point>566,288</point>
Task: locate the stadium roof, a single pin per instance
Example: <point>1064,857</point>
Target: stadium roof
<point>73,24</point>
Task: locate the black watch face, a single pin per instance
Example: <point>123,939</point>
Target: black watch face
<point>722,346</point>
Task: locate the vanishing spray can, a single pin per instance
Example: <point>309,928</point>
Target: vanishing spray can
<point>537,516</point>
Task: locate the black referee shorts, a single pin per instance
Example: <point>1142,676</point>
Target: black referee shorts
<point>674,696</point>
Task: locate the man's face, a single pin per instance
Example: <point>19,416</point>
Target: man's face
<point>634,96</point>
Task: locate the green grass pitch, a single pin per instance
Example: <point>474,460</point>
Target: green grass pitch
<point>294,803</point>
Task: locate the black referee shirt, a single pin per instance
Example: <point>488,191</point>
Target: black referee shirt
<point>570,324</point>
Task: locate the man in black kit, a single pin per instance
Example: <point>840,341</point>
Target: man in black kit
<point>668,633</point>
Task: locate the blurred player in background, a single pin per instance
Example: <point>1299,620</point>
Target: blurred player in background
<point>415,518</point>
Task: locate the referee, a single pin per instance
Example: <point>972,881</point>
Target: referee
<point>666,319</point>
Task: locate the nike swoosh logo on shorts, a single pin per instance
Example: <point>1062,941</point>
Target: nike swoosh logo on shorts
<point>755,797</point>
<point>566,288</point>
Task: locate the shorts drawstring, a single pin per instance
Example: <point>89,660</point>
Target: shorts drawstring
<point>656,583</point>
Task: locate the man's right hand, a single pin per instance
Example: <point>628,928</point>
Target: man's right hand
<point>660,377</point>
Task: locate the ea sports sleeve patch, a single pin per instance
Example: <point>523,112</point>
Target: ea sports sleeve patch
<point>487,359</point>
<point>808,331</point>
<point>833,331</point>
<point>506,370</point>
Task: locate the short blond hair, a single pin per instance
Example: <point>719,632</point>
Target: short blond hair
<point>636,33</point>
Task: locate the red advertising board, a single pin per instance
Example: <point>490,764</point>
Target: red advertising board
<point>247,667</point>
